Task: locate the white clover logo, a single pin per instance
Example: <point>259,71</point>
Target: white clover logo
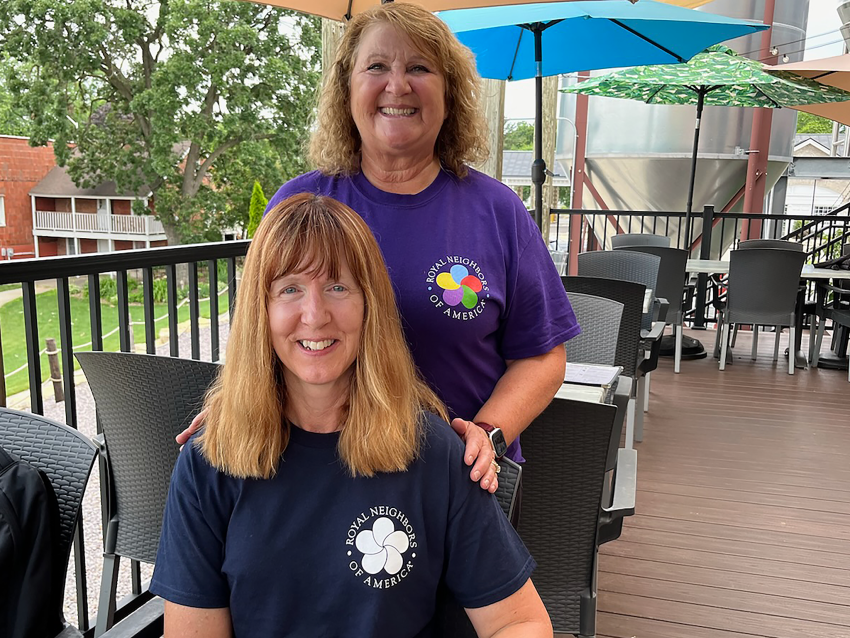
<point>382,547</point>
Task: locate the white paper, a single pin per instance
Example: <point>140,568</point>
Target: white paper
<point>591,374</point>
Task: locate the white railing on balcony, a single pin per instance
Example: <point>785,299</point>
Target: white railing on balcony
<point>93,223</point>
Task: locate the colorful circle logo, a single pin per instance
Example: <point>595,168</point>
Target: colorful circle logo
<point>459,287</point>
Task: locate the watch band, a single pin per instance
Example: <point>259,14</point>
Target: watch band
<point>497,439</point>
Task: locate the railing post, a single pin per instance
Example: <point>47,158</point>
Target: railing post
<point>702,278</point>
<point>574,244</point>
<point>55,372</point>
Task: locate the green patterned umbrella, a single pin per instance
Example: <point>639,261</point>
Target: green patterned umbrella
<point>716,77</point>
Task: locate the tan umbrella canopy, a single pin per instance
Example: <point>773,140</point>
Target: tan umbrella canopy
<point>344,9</point>
<point>833,71</point>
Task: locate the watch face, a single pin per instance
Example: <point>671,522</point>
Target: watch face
<point>498,440</point>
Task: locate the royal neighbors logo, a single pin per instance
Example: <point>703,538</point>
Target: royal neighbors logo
<point>381,547</point>
<point>457,287</point>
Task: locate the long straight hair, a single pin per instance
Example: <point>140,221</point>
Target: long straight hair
<point>245,431</point>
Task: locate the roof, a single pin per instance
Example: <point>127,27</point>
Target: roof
<point>823,140</point>
<point>57,183</point>
<point>516,169</point>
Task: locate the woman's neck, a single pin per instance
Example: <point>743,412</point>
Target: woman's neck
<point>401,176</point>
<point>315,413</point>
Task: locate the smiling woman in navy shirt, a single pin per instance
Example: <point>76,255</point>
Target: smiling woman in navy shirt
<point>326,495</point>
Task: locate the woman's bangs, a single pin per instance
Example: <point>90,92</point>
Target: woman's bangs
<point>317,249</point>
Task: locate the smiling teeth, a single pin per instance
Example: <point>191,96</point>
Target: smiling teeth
<point>316,345</point>
<point>389,111</point>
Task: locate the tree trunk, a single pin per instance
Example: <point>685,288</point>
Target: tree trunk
<point>493,96</point>
<point>331,34</point>
<point>550,132</point>
<point>174,240</point>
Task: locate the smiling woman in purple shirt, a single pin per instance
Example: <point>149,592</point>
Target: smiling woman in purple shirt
<point>482,305</point>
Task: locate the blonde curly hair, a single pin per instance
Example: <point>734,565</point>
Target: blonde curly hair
<point>335,144</point>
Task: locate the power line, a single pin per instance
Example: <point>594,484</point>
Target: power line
<point>784,52</point>
<point>805,38</point>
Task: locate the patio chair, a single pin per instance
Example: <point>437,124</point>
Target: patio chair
<point>599,319</point>
<point>672,277</point>
<point>628,266</point>
<point>450,619</point>
<point>631,295</point>
<point>770,243</point>
<point>642,269</point>
<point>143,402</point>
<point>824,310</point>
<point>639,239</point>
<point>66,457</point>
<point>562,521</point>
<point>763,286</point>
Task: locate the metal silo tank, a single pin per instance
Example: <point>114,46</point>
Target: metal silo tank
<point>638,155</point>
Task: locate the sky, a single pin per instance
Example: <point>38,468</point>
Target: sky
<point>823,41</point>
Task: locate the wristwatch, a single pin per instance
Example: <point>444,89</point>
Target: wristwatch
<point>497,439</point>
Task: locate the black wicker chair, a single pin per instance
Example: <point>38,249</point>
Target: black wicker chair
<point>450,619</point>
<point>143,402</point>
<point>631,295</point>
<point>66,457</point>
<point>562,520</point>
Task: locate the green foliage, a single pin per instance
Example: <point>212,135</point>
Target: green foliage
<point>519,136</point>
<point>808,123</point>
<point>258,207</point>
<point>182,98</point>
<point>13,120</point>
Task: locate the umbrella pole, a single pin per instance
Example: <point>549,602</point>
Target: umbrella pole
<point>689,209</point>
<point>538,167</point>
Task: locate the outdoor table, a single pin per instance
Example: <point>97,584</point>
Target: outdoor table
<point>822,277</point>
<point>809,272</point>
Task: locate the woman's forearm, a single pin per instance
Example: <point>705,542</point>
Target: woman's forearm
<point>525,389</point>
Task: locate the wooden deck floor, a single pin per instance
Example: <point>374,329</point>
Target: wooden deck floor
<point>743,506</point>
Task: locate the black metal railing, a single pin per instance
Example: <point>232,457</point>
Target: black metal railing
<point>140,263</point>
<point>574,231</point>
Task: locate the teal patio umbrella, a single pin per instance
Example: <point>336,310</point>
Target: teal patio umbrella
<point>715,77</point>
<point>537,40</point>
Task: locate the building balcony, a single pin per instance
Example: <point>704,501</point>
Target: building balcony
<point>98,226</point>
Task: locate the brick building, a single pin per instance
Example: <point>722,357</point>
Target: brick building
<point>43,213</point>
<point>21,168</point>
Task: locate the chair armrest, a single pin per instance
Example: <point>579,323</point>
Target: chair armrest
<point>653,333</point>
<point>623,502</point>
<point>659,309</point>
<point>625,484</point>
<point>147,620</point>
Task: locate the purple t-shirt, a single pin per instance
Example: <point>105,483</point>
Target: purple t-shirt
<point>474,281</point>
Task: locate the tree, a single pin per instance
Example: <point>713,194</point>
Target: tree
<point>519,136</point>
<point>258,207</point>
<point>808,123</point>
<point>13,121</point>
<point>175,89</point>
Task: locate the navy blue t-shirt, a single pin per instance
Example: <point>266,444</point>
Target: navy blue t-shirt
<point>314,552</point>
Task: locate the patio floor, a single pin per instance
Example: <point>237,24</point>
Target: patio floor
<point>743,506</point>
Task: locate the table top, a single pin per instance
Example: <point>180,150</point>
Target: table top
<point>708,266</point>
<point>721,266</point>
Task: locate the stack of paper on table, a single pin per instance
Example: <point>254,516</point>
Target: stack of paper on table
<point>589,382</point>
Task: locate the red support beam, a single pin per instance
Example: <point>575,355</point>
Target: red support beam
<point>759,141</point>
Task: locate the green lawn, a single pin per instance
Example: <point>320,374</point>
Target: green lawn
<point>13,335</point>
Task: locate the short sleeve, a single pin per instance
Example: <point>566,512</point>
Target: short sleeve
<point>191,548</point>
<point>538,315</point>
<point>485,559</point>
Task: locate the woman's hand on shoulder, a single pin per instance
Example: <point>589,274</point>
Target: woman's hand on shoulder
<point>479,454</point>
<point>194,426</point>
